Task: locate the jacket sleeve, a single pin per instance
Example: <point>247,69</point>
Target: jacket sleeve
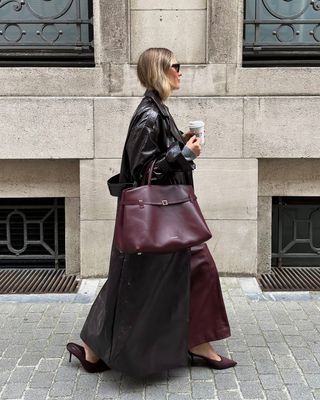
<point>143,147</point>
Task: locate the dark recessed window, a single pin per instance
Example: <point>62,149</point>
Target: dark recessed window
<point>46,33</point>
<point>295,231</point>
<point>32,232</point>
<point>281,33</point>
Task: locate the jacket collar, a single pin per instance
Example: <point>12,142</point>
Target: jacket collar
<point>153,94</point>
<point>165,113</point>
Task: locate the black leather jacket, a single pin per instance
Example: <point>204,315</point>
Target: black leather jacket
<point>153,135</point>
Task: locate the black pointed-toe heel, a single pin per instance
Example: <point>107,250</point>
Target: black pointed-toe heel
<point>224,363</point>
<point>79,352</point>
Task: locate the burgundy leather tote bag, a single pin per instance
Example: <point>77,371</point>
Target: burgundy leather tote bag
<point>159,219</point>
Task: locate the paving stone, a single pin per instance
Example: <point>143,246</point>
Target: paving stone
<point>302,353</point>
<point>48,364</point>
<point>313,380</point>
<point>229,395</point>
<point>60,339</point>
<point>63,328</point>
<point>42,380</point>
<point>277,395</point>
<point>250,329</point>
<point>243,358</point>
<point>225,381</point>
<point>30,359</point>
<point>13,390</point>
<point>276,344</point>
<point>295,341</point>
<point>203,390</point>
<point>7,364</point>
<point>84,394</point>
<point>33,317</point>
<point>273,336</point>
<point>260,353</point>
<point>293,376</point>
<point>179,385</point>
<point>266,367</point>
<point>246,373</point>
<point>201,373</point>
<point>35,394</point>
<point>251,390</point>
<point>61,389</point>
<point>4,376</point>
<point>255,341</point>
<point>21,374</point>
<point>310,335</point>
<point>156,392</point>
<point>87,382</point>
<point>289,330</point>
<point>36,345</point>
<point>38,308</point>
<point>108,390</point>
<point>237,345</point>
<point>110,375</point>
<point>131,396</point>
<point>14,351</point>
<point>309,366</point>
<point>285,361</point>
<point>66,374</point>
<point>54,351</point>
<point>175,396</point>
<point>271,381</point>
<point>299,392</point>
<point>279,348</point>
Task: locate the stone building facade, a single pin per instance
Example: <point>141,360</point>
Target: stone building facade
<point>63,128</point>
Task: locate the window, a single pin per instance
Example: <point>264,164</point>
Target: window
<point>46,33</point>
<point>281,33</point>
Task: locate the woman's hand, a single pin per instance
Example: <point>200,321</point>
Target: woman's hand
<point>194,145</point>
<point>187,135</point>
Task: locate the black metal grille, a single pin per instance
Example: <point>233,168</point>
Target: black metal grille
<point>22,281</point>
<point>32,232</point>
<point>281,32</point>
<point>291,279</point>
<point>46,33</point>
<point>296,231</point>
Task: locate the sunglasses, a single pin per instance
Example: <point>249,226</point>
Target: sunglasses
<point>176,67</point>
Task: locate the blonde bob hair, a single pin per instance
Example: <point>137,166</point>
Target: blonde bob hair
<point>153,64</point>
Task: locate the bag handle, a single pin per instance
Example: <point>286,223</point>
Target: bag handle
<point>150,171</point>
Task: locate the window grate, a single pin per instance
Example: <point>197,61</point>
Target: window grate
<point>22,281</point>
<point>46,33</point>
<point>32,232</point>
<point>295,231</point>
<point>281,33</point>
<point>290,279</point>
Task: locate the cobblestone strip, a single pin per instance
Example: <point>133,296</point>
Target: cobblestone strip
<point>276,344</point>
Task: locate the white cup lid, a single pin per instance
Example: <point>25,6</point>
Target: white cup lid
<point>196,124</point>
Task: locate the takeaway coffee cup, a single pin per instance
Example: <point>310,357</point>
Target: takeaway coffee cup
<point>197,127</point>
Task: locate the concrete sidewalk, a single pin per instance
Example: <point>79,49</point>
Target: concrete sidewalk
<point>275,339</point>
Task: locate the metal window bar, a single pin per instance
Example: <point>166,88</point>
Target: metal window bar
<point>281,33</point>
<point>296,231</point>
<point>46,33</point>
<point>32,234</point>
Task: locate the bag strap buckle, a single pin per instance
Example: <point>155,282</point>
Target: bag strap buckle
<point>164,202</point>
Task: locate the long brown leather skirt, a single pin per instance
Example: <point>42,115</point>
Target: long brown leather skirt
<point>208,317</point>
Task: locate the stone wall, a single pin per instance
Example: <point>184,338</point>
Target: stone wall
<point>258,121</point>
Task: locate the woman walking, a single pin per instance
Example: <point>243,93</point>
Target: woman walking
<point>156,308</point>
